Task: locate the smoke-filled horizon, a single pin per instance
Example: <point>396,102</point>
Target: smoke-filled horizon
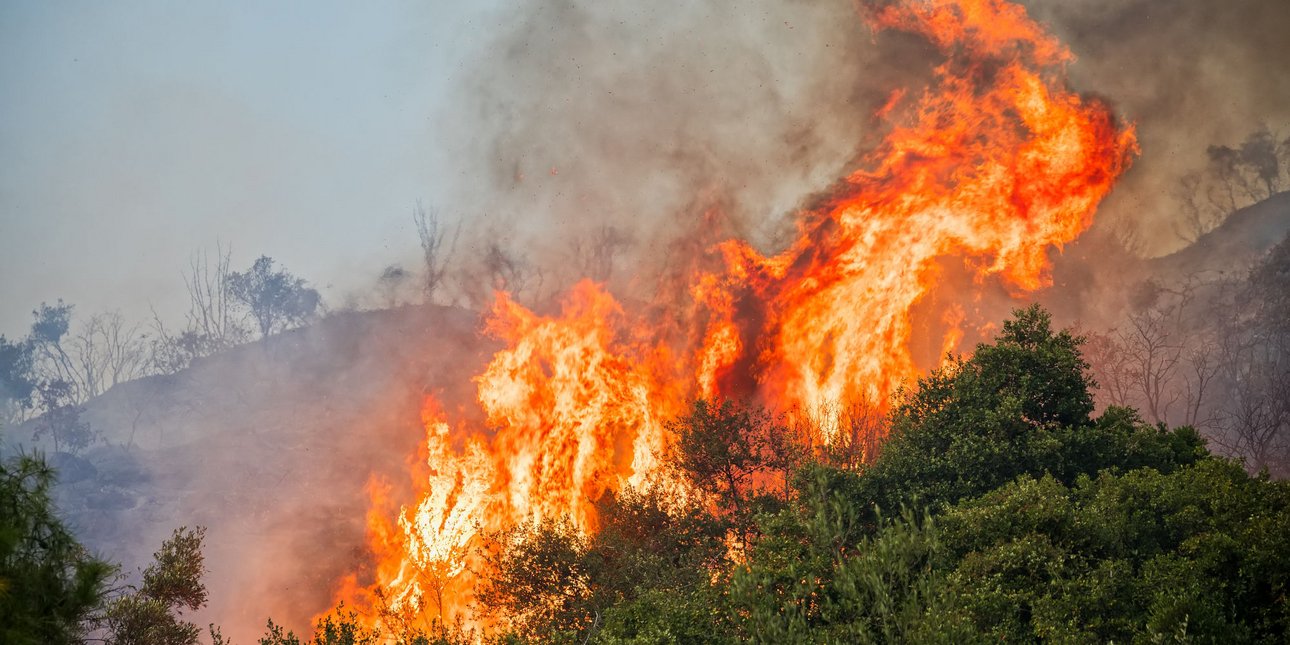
<point>138,135</point>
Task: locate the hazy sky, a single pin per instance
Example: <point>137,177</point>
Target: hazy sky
<point>133,133</point>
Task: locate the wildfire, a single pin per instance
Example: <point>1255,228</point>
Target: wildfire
<point>995,162</point>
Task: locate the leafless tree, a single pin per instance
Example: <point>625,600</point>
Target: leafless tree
<point>511,272</point>
<point>1203,208</point>
<point>1153,351</point>
<point>212,322</point>
<point>593,253</point>
<point>1109,364</point>
<point>433,233</point>
<point>104,350</point>
<point>109,351</point>
<point>1254,338</point>
<point>212,311</point>
<point>1201,367</point>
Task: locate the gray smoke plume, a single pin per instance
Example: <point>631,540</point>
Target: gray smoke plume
<point>1189,74</point>
<point>593,113</point>
<point>641,116</point>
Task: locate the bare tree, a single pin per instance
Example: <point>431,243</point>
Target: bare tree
<point>1254,337</point>
<point>1154,353</point>
<point>103,352</point>
<point>1201,366</point>
<point>212,322</point>
<point>593,253</point>
<point>511,272</point>
<point>109,351</point>
<point>1111,368</point>
<point>846,435</point>
<point>1254,420</point>
<point>436,257</point>
<point>1202,210</point>
<point>212,311</point>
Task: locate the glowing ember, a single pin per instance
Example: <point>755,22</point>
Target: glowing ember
<point>996,162</point>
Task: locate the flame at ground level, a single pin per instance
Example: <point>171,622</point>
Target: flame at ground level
<point>996,162</point>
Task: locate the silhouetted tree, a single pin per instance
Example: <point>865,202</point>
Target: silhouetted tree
<point>211,323</point>
<point>594,253</point>
<point>391,282</point>
<point>436,258</point>
<point>62,421</point>
<point>274,298</point>
<point>1234,177</point>
<point>17,383</point>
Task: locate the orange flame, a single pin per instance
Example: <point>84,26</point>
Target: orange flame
<point>996,162</point>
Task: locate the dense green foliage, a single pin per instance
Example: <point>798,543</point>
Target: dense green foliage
<point>49,584</point>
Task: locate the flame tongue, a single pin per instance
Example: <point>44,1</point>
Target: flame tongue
<point>995,162</point>
<point>572,403</point>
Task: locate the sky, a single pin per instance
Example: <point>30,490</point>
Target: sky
<point>133,134</point>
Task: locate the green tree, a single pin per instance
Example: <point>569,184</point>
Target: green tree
<point>150,613</point>
<point>1126,557</point>
<point>820,572</point>
<point>644,574</point>
<point>49,584</point>
<point>829,568</point>
<point>342,626</point>
<point>1019,405</point>
<point>540,584</point>
<point>740,456</point>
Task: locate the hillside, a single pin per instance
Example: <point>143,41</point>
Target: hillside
<point>1243,236</point>
<point>270,446</point>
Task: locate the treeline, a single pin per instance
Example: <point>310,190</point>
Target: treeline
<point>67,359</point>
<point>1233,177</point>
<point>64,362</point>
<point>1000,508</point>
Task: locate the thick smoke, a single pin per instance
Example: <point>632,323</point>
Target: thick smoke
<point>645,116</point>
<point>1190,74</point>
<point>639,116</point>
